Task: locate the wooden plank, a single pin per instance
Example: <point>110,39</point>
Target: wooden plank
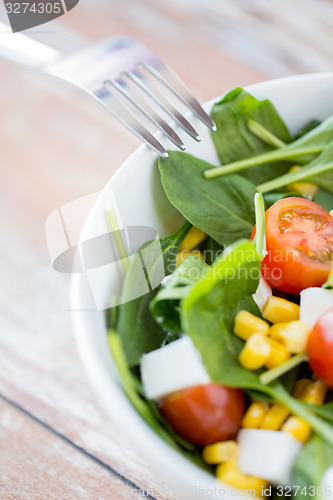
<point>34,463</point>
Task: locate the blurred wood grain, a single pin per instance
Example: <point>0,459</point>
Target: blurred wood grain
<point>57,145</point>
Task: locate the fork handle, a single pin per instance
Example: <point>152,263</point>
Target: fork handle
<point>40,46</point>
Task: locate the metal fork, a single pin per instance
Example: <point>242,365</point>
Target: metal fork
<point>130,81</point>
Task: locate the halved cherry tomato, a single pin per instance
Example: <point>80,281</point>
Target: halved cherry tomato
<point>205,414</point>
<point>320,348</point>
<point>299,237</point>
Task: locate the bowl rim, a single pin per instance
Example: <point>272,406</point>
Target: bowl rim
<point>144,438</point>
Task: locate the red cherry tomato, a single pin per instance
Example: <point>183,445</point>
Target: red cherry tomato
<point>320,348</point>
<point>299,237</point>
<point>205,414</point>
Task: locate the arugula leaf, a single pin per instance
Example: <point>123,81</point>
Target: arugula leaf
<point>302,151</point>
<point>234,140</point>
<point>165,306</point>
<point>137,329</point>
<point>315,457</point>
<point>223,209</point>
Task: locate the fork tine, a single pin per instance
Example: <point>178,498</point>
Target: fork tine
<point>147,111</point>
<point>166,106</point>
<point>110,102</point>
<point>165,75</point>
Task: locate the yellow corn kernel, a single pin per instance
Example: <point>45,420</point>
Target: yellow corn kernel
<point>275,417</point>
<point>278,355</point>
<point>304,188</point>
<point>193,238</point>
<point>331,213</point>
<point>274,331</point>
<point>182,255</point>
<point>300,387</point>
<point>220,452</point>
<point>277,310</point>
<point>246,324</point>
<point>255,352</point>
<point>314,393</point>
<point>294,335</point>
<point>298,428</point>
<point>229,473</point>
<point>254,415</point>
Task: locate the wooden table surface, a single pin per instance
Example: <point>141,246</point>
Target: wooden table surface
<point>57,145</point>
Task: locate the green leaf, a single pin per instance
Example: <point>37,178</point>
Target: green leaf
<point>147,409</point>
<point>165,306</point>
<point>310,125</point>
<point>207,314</point>
<point>234,140</point>
<point>211,250</point>
<point>223,209</point>
<point>303,150</point>
<point>319,171</point>
<point>137,329</point>
<point>324,198</point>
<point>273,196</point>
<point>315,457</point>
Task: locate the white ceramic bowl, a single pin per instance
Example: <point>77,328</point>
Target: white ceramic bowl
<point>137,193</point>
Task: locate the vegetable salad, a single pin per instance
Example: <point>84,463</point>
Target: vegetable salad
<point>230,358</point>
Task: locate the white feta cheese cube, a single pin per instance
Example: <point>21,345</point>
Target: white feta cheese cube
<point>327,484</point>
<point>264,291</point>
<point>171,368</point>
<point>314,302</point>
<point>268,454</point>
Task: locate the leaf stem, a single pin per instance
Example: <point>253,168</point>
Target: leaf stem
<point>116,233</point>
<point>270,375</point>
<point>265,135</point>
<point>259,207</point>
<point>285,153</point>
<point>291,177</point>
<point>320,426</point>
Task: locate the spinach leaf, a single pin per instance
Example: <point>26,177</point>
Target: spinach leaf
<point>315,457</point>
<point>147,409</point>
<point>137,329</point>
<point>234,140</point>
<point>223,209</point>
<point>310,125</point>
<point>324,198</point>
<point>208,312</point>
<point>273,196</point>
<point>303,150</point>
<point>165,306</point>
<point>211,249</point>
<point>319,171</point>
<point>207,316</point>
